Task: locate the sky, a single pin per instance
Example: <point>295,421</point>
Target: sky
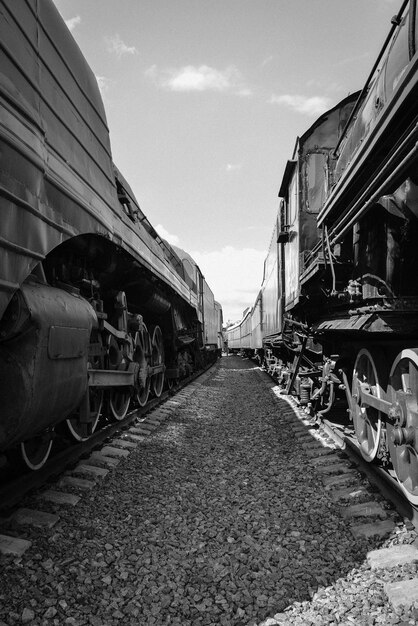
<point>204,100</point>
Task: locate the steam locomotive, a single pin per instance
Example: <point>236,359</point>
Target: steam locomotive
<point>336,319</point>
<point>96,310</point>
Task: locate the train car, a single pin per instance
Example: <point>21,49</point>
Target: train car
<point>209,311</point>
<point>233,338</point>
<point>246,332</point>
<point>256,340</point>
<point>370,225</point>
<point>238,336</point>
<point>295,235</point>
<point>339,298</point>
<point>271,294</point>
<point>96,310</point>
<point>219,328</point>
<point>347,259</point>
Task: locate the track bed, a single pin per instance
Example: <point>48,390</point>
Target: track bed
<point>218,516</point>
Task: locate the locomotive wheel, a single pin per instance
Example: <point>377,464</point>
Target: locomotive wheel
<point>142,356</point>
<point>367,420</point>
<point>79,430</point>
<point>157,358</point>
<point>34,452</point>
<point>118,399</point>
<point>118,404</point>
<point>402,427</point>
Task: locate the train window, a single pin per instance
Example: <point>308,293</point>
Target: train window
<point>292,206</point>
<point>315,176</point>
<point>398,58</point>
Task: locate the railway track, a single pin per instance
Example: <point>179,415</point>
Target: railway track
<point>379,477</point>
<point>14,487</point>
<point>368,496</point>
<point>341,439</point>
<point>249,454</point>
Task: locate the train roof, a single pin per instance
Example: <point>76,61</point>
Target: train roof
<point>352,97</point>
<point>292,163</point>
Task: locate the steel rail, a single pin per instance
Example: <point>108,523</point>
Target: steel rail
<point>379,477</point>
<point>15,488</point>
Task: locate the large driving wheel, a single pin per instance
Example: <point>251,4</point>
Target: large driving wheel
<point>403,421</point>
<point>142,356</point>
<point>34,452</point>
<point>119,400</point>
<point>81,429</point>
<point>366,419</point>
<point>157,359</point>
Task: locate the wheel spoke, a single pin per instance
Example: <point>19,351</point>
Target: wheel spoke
<point>79,429</point>
<point>367,420</point>
<point>157,358</point>
<point>118,404</point>
<point>142,356</point>
<point>403,446</point>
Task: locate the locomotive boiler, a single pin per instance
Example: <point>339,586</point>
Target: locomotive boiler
<point>339,297</point>
<point>96,310</point>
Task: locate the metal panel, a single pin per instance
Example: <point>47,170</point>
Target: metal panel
<point>292,247</point>
<point>246,331</point>
<point>356,322</point>
<point>271,294</point>
<point>256,325</point>
<point>57,178</point>
<point>67,343</point>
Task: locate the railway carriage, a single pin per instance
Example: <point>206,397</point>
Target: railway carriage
<point>96,310</point>
<point>220,339</point>
<point>245,334</point>
<point>239,335</point>
<point>233,337</point>
<point>344,258</point>
<point>256,327</point>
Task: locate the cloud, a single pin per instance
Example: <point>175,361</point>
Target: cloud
<point>314,105</point>
<point>104,84</point>
<point>118,47</point>
<point>164,234</point>
<point>234,275</point>
<point>73,22</point>
<point>245,92</point>
<point>202,78</point>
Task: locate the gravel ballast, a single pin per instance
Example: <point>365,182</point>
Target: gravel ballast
<point>217,517</point>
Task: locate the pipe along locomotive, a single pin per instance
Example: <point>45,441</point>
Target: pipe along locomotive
<point>336,319</point>
<point>96,310</point>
